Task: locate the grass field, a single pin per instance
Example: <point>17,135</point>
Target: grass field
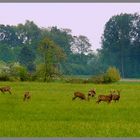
<point>52,113</point>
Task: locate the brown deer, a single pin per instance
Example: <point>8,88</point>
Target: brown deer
<point>115,96</point>
<point>27,96</point>
<point>6,89</point>
<point>105,98</point>
<point>79,95</point>
<point>91,93</point>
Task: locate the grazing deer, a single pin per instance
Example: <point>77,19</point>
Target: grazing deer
<point>6,89</point>
<point>27,96</point>
<point>79,95</point>
<point>105,98</point>
<point>115,97</point>
<point>91,93</point>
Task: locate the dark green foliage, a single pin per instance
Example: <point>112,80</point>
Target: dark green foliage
<point>8,36</point>
<point>4,77</point>
<point>120,44</point>
<point>61,37</point>
<point>29,33</point>
<point>52,55</point>
<point>27,58</point>
<point>6,53</point>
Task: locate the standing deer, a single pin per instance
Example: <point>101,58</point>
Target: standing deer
<point>27,96</point>
<point>91,93</point>
<point>105,98</point>
<point>79,95</point>
<point>115,97</point>
<point>6,89</point>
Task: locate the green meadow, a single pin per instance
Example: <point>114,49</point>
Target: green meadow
<point>52,113</point>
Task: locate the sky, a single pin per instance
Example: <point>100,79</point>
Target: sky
<point>86,19</point>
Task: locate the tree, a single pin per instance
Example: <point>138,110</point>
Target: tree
<point>61,37</point>
<point>52,55</point>
<point>81,45</point>
<point>117,42</point>
<point>27,58</point>
<point>28,33</point>
<point>6,53</point>
<point>8,36</point>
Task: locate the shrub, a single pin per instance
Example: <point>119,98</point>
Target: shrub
<point>112,75</point>
<point>23,74</point>
<point>98,79</point>
<point>4,72</point>
<point>19,72</point>
<point>4,77</point>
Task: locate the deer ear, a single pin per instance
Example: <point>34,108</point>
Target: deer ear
<point>118,91</point>
<point>114,91</point>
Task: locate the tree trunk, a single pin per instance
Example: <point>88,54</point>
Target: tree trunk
<point>45,75</point>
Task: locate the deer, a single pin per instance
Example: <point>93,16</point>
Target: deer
<point>6,89</point>
<point>27,96</point>
<point>91,93</point>
<point>115,96</point>
<point>105,98</point>
<point>79,95</point>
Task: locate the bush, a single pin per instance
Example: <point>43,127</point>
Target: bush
<point>98,79</point>
<point>23,74</point>
<point>4,77</point>
<point>19,72</point>
<point>111,75</point>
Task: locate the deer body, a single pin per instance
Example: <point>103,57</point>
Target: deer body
<point>116,97</point>
<point>5,89</point>
<point>27,96</point>
<point>105,98</point>
<point>91,93</point>
<point>79,95</point>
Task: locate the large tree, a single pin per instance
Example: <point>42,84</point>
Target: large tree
<point>27,58</point>
<point>118,42</point>
<point>52,55</point>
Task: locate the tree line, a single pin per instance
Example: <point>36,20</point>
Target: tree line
<point>53,51</point>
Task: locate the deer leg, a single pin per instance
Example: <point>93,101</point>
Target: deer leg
<point>10,92</point>
<point>98,101</point>
<point>109,101</point>
<point>24,98</point>
<point>29,98</point>
<point>88,98</point>
<point>74,98</point>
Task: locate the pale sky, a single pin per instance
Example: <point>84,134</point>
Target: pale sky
<point>82,18</point>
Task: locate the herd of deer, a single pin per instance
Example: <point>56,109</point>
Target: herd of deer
<point>26,96</point>
<point>91,93</point>
<point>113,95</point>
